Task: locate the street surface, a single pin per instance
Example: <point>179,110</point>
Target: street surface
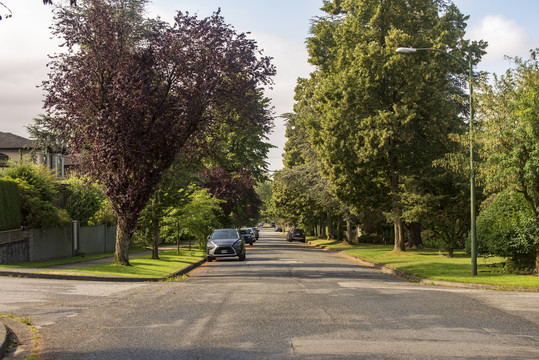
<point>287,300</point>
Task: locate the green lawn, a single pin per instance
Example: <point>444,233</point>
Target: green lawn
<point>434,265</point>
<point>146,267</point>
<point>70,260</point>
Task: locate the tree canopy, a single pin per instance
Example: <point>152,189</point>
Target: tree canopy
<point>379,119</point>
<point>131,94</point>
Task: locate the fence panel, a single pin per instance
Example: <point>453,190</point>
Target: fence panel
<point>46,244</point>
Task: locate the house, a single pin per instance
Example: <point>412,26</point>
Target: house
<point>17,148</point>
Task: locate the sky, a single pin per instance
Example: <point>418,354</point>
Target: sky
<point>280,27</point>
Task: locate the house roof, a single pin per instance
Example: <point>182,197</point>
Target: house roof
<point>12,141</point>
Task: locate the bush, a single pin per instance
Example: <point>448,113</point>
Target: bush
<point>83,199</point>
<point>508,228</point>
<point>39,193</point>
<point>10,205</point>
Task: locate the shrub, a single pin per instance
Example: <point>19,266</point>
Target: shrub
<point>104,215</point>
<point>83,199</point>
<point>10,205</point>
<point>39,193</point>
<point>508,228</point>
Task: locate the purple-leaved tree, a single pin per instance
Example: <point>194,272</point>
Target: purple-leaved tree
<point>131,94</point>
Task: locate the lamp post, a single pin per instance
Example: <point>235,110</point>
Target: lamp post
<point>406,50</point>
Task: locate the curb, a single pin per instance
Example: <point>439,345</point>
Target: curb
<point>3,340</point>
<point>418,279</point>
<point>54,276</point>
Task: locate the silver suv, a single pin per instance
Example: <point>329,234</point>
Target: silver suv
<point>225,243</point>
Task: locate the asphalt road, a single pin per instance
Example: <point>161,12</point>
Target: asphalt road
<point>287,300</point>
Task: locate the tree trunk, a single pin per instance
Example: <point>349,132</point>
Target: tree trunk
<point>339,229</point>
<point>399,235</point>
<point>536,272</point>
<point>349,234</point>
<point>450,252</point>
<point>322,226</point>
<point>123,237</point>
<point>413,232</point>
<point>155,240</point>
<point>395,204</point>
<point>330,226</point>
<point>178,239</point>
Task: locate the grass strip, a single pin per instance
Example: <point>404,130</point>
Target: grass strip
<point>434,265</point>
<point>69,260</point>
<point>145,267</point>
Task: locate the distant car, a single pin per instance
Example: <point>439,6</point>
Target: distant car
<point>278,228</point>
<point>247,235</point>
<point>255,231</point>
<point>272,225</point>
<point>225,243</point>
<point>296,234</point>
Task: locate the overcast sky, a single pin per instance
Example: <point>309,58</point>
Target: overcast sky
<point>280,27</point>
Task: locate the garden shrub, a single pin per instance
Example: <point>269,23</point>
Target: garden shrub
<point>10,205</point>
<point>83,199</point>
<point>39,192</point>
<point>508,228</point>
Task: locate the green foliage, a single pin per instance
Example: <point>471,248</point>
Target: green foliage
<point>508,228</point>
<point>39,192</point>
<point>378,119</point>
<point>104,215</point>
<point>510,143</point>
<point>511,130</point>
<point>10,205</point>
<point>197,218</point>
<point>83,199</point>
<point>264,191</point>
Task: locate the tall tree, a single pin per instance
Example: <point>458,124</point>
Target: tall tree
<point>131,94</point>
<point>511,133</point>
<point>384,117</point>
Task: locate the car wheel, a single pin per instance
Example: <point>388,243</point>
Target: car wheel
<point>303,240</point>
<point>209,258</point>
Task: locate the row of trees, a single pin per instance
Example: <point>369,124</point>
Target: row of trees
<point>160,116</point>
<point>378,135</point>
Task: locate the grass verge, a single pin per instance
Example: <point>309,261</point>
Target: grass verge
<point>145,267</point>
<point>69,260</point>
<point>434,265</point>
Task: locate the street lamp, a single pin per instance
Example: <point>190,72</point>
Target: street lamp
<point>407,50</point>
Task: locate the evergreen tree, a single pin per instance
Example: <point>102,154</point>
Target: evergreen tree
<point>383,118</point>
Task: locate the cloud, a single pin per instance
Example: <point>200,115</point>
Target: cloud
<point>290,59</point>
<point>504,36</point>
<point>25,42</point>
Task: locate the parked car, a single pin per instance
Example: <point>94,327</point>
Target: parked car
<point>278,228</point>
<point>247,235</point>
<point>225,243</point>
<point>255,232</point>
<point>296,234</point>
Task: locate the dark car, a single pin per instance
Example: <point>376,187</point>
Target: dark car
<point>247,235</point>
<point>225,243</point>
<point>278,228</point>
<point>256,232</point>
<point>296,234</point>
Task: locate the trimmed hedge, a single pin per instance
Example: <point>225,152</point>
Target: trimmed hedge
<point>10,205</point>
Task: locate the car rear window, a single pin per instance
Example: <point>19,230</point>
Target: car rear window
<point>224,234</point>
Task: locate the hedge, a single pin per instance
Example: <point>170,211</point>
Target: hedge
<point>10,205</point>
